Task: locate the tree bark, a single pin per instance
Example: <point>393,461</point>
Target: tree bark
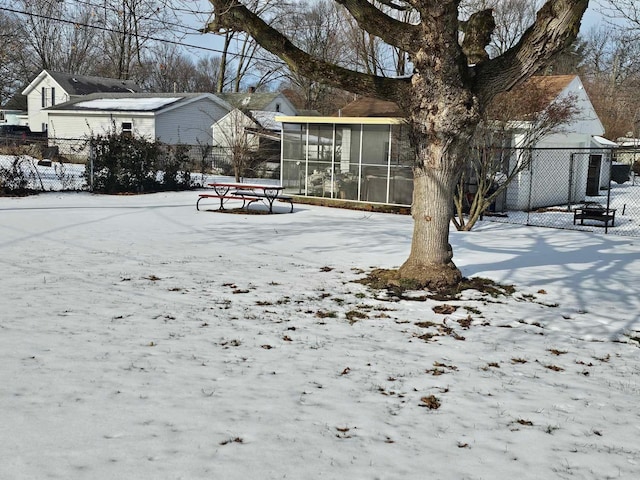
<point>430,261</point>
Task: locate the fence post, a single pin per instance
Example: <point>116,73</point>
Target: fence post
<point>606,225</point>
<point>91,157</point>
<point>529,152</point>
<point>571,163</point>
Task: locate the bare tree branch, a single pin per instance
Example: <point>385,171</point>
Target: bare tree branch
<point>556,26</point>
<point>373,20</point>
<point>231,14</point>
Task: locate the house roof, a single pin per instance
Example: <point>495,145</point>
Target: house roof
<point>132,102</point>
<point>85,84</point>
<point>552,86</point>
<point>250,100</point>
<point>309,113</point>
<point>370,107</point>
<point>17,102</point>
<point>532,96</point>
<point>266,119</point>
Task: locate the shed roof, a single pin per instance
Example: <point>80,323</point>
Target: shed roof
<point>131,102</point>
<point>370,107</point>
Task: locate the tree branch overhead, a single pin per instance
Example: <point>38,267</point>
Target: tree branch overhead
<point>231,14</point>
<point>373,20</point>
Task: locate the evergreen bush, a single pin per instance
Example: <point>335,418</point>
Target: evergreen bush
<point>123,163</point>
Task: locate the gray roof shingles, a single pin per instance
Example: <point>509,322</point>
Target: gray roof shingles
<point>85,84</point>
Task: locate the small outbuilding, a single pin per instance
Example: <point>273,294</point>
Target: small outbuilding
<point>360,154</point>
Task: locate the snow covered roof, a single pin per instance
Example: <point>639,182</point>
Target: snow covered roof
<point>132,102</point>
<point>139,104</point>
<point>267,120</point>
<point>604,142</point>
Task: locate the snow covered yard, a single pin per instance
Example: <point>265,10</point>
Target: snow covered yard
<point>142,339</point>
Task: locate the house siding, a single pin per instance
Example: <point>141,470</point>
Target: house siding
<point>38,117</point>
<point>68,130</point>
<point>225,130</point>
<point>189,124</point>
<point>285,107</point>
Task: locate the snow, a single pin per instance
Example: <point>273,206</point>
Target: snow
<point>137,104</point>
<point>142,339</point>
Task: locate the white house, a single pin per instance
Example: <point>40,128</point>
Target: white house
<point>254,134</point>
<point>251,126</point>
<point>171,118</point>
<point>49,89</point>
<point>260,101</point>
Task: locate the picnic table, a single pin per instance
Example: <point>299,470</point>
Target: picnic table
<point>248,193</point>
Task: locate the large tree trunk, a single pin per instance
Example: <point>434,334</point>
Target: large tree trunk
<point>430,260</point>
<point>443,115</point>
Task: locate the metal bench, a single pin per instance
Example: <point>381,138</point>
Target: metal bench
<point>594,211</point>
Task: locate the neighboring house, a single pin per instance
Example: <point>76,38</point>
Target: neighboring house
<point>14,112</point>
<point>171,118</point>
<point>260,101</point>
<point>252,132</point>
<point>49,89</point>
<point>250,127</point>
<point>362,153</point>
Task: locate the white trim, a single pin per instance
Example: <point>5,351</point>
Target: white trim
<point>342,120</point>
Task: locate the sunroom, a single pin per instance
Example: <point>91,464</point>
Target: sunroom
<point>365,159</point>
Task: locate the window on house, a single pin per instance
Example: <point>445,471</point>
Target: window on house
<point>44,97</point>
<point>127,129</point>
<point>53,96</point>
<point>277,107</point>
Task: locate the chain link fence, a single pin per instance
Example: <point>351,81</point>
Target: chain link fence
<point>34,164</point>
<point>559,184</point>
<point>550,192</point>
<point>31,164</point>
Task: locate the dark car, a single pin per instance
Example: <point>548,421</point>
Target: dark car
<point>15,130</point>
<point>17,134</point>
